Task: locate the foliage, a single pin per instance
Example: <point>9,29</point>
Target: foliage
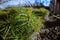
<point>19,23</point>
<point>41,12</point>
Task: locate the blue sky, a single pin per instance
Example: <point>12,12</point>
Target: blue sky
<point>22,2</point>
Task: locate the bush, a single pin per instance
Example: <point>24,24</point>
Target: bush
<point>19,23</point>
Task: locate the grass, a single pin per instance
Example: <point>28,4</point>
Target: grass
<point>20,23</point>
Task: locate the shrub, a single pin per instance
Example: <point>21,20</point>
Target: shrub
<point>19,23</point>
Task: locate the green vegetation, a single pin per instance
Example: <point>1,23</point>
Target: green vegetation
<point>20,23</point>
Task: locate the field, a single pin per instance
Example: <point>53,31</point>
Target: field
<point>19,23</point>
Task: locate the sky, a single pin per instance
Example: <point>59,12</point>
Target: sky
<point>44,2</point>
<point>23,2</point>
